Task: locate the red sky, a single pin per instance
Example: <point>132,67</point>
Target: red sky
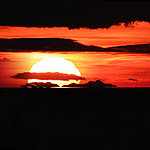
<point>117,35</point>
<point>114,68</point>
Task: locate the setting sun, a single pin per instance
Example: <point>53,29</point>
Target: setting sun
<point>55,64</point>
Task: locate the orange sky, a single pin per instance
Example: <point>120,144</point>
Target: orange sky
<point>117,35</point>
<point>114,68</point>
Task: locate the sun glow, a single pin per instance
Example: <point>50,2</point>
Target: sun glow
<point>55,64</point>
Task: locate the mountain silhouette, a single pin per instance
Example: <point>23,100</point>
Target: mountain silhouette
<point>91,84</point>
<point>39,85</point>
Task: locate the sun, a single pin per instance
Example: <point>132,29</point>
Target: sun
<point>55,64</point>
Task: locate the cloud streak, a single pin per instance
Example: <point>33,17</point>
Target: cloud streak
<point>47,76</point>
<point>131,79</point>
<point>114,36</point>
<point>59,44</point>
<point>141,48</point>
<point>4,60</point>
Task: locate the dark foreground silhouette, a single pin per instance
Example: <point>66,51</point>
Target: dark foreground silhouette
<point>76,118</point>
<point>92,84</point>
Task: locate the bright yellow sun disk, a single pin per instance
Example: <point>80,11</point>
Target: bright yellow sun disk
<point>55,64</point>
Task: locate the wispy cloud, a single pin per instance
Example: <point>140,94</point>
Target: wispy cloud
<point>116,35</point>
<point>132,79</point>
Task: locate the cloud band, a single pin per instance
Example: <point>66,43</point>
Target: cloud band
<point>47,76</point>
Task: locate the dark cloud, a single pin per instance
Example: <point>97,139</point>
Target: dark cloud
<point>43,44</point>
<point>47,76</point>
<point>4,60</point>
<point>91,84</point>
<point>131,79</point>
<point>59,44</point>
<point>72,14</point>
<point>141,48</point>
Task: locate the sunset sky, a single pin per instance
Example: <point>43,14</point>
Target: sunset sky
<point>74,74</point>
<point>114,68</point>
<point>97,23</point>
<point>137,32</point>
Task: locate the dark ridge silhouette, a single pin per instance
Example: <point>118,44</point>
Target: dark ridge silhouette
<point>43,44</point>
<point>91,84</point>
<point>58,44</point>
<point>73,14</point>
<point>39,85</point>
<point>47,76</point>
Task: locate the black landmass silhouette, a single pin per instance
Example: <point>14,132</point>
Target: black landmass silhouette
<point>60,44</point>
<point>39,85</point>
<point>91,84</point>
<point>75,118</point>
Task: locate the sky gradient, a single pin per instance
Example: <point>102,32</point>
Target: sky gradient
<point>98,23</point>
<point>109,67</point>
<point>117,35</point>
